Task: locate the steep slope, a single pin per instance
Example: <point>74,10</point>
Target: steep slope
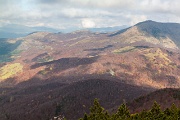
<point>164,35</point>
<point>161,30</point>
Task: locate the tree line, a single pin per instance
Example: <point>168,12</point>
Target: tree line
<point>97,112</point>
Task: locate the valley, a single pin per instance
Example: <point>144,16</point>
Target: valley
<point>44,70</point>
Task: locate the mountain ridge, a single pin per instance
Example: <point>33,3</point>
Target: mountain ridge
<point>44,70</point>
<point>45,47</point>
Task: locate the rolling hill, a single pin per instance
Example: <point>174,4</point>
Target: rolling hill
<point>72,100</point>
<point>165,97</point>
<point>46,70</point>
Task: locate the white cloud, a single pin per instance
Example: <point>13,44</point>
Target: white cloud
<point>88,23</point>
<point>134,19</point>
<point>87,13</point>
<point>103,3</point>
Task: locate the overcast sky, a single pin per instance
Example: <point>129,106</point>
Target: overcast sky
<point>64,14</point>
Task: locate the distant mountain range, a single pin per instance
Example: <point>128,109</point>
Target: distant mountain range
<point>107,29</point>
<point>15,30</point>
<point>48,71</point>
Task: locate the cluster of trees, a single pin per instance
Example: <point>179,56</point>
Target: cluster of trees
<point>155,113</point>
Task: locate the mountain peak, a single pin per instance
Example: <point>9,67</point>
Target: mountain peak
<point>145,22</point>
